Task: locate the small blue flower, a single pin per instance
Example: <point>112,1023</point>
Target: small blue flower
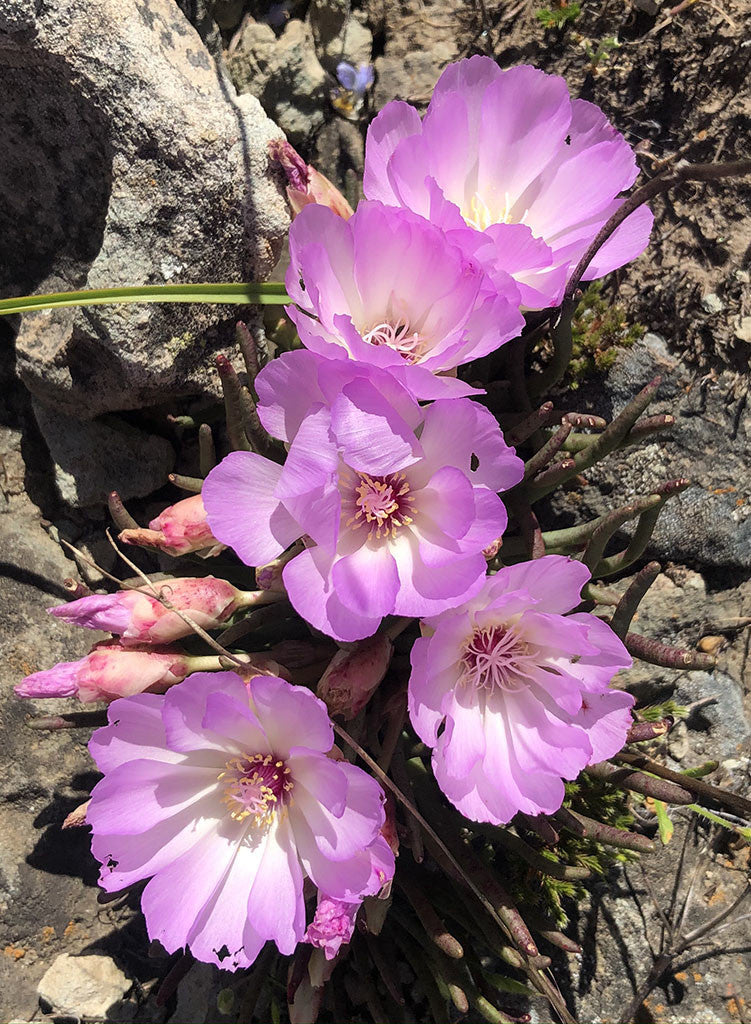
<point>356,81</point>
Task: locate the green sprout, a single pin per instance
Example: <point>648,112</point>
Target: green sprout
<point>557,17</point>
<point>602,52</point>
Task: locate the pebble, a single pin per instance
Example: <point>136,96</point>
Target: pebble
<point>82,986</point>
<point>712,303</point>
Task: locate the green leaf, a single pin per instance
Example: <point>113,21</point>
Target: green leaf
<point>504,984</point>
<point>664,824</point>
<point>269,293</point>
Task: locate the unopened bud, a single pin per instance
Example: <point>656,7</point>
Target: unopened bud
<point>110,671</point>
<point>269,577</point>
<point>388,829</point>
<point>180,529</point>
<point>77,817</point>
<point>353,675</point>
<point>492,549</point>
<point>140,618</point>
<point>305,184</point>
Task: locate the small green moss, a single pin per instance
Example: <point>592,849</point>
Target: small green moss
<point>599,331</point>
<point>180,342</point>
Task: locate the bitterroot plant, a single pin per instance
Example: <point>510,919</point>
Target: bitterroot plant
<point>367,780</point>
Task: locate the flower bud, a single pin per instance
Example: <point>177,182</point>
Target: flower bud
<point>269,577</point>
<point>389,829</point>
<point>140,618</point>
<point>306,184</point>
<point>77,817</point>
<point>180,529</point>
<point>353,675</point>
<point>110,671</point>
<point>332,924</point>
<point>492,549</point>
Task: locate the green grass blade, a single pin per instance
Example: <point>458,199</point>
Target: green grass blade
<point>664,824</point>
<point>269,293</point>
<point>718,820</point>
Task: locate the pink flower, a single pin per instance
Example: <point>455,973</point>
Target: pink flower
<point>353,675</point>
<point>222,794</point>
<point>510,156</point>
<point>394,514</point>
<point>334,920</point>
<point>180,529</point>
<point>513,695</point>
<point>110,671</point>
<point>140,618</point>
<point>387,288</point>
<point>306,185</point>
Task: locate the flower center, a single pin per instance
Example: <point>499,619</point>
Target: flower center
<point>382,504</point>
<point>480,215</point>
<point>257,785</point>
<point>497,658</point>
<point>409,344</point>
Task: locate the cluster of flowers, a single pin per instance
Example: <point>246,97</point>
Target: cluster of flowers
<point>231,791</point>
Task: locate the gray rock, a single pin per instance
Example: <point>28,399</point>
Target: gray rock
<point>340,155</point>
<point>729,731</point>
<point>93,457</point>
<point>202,14</point>
<point>743,329</point>
<point>127,160</point>
<point>83,986</point>
<point>339,33</point>
<point>709,525</point>
<point>18,15</point>
<point>421,38</point>
<point>44,903</point>
<point>408,77</point>
<point>618,926</point>
<point>284,74</point>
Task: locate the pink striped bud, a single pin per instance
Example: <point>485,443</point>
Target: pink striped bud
<point>353,675</point>
<point>140,618</point>
<point>180,529</point>
<point>305,184</point>
<point>110,671</point>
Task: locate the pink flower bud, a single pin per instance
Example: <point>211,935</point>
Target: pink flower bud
<point>111,671</point>
<point>353,675</point>
<point>180,529</point>
<point>492,549</point>
<point>306,184</point>
<point>332,924</point>
<point>77,817</point>
<point>140,618</point>
<point>269,577</point>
